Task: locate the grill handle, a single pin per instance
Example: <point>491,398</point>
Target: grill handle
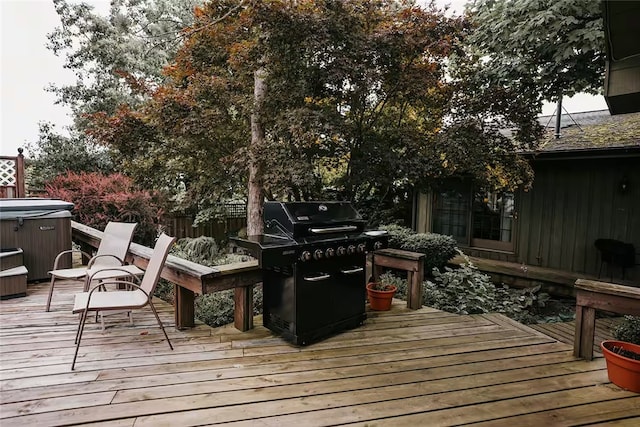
<point>319,278</point>
<point>353,271</point>
<point>327,230</point>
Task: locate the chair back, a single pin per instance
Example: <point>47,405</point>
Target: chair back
<point>156,263</point>
<point>116,240</point>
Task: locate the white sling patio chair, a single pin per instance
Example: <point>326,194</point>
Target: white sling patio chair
<point>111,252</point>
<point>125,300</point>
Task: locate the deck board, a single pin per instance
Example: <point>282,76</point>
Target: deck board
<point>565,331</point>
<point>402,367</point>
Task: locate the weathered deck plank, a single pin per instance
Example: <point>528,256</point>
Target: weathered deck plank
<point>402,367</point>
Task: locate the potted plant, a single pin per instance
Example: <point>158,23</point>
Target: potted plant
<point>623,364</point>
<point>380,294</point>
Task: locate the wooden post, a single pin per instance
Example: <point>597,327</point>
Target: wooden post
<point>184,308</point>
<point>591,296</point>
<point>243,311</point>
<point>20,190</point>
<point>585,329</point>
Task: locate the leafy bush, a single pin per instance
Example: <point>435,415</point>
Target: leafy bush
<point>466,290</point>
<point>628,330</point>
<point>98,199</point>
<point>214,309</point>
<point>397,234</point>
<point>438,248</point>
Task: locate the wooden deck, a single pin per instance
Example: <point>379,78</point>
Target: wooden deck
<point>402,368</point>
<point>565,331</point>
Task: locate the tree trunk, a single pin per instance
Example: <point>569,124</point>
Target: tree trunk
<point>255,190</point>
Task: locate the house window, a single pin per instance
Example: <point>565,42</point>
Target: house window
<point>492,219</point>
<point>451,214</point>
<point>475,218</point>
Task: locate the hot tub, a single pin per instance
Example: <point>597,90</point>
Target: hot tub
<point>40,227</point>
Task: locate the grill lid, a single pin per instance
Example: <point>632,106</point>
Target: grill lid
<point>301,219</point>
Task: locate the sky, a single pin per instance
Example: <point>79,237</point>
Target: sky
<point>28,68</point>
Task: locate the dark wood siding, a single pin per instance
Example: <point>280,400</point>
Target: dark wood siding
<point>573,203</point>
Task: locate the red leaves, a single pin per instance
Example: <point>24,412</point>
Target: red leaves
<point>99,198</point>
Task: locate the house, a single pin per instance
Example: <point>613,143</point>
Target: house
<point>586,187</point>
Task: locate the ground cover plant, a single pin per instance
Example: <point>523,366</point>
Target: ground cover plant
<point>466,290</point>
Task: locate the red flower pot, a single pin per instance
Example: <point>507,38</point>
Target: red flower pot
<point>380,300</point>
<point>623,371</point>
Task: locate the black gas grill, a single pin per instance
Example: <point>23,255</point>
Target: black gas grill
<point>312,256</point>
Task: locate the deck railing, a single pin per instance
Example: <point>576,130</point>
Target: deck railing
<point>190,278</point>
<point>12,176</point>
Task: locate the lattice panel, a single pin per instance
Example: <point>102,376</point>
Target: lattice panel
<point>7,172</point>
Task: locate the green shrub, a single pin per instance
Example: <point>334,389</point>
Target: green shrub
<point>438,248</point>
<point>628,330</point>
<point>397,234</point>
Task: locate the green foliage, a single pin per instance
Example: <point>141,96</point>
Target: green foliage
<point>205,251</point>
<point>214,309</point>
<point>356,97</point>
<point>115,58</point>
<point>54,155</point>
<point>466,290</point>
<point>98,199</point>
<point>438,248</point>
<point>397,234</point>
<point>628,330</point>
<point>546,47</point>
<point>389,278</point>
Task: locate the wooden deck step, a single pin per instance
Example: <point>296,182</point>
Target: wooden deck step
<point>10,258</point>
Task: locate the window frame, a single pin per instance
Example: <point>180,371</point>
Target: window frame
<point>469,240</point>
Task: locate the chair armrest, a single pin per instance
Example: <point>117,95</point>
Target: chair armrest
<point>70,251</point>
<point>102,285</point>
<point>110,280</point>
<point>93,260</point>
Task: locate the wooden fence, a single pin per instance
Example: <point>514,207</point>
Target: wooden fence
<point>12,176</point>
<point>232,219</point>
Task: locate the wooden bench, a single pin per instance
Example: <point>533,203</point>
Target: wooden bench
<point>591,296</point>
<point>411,262</point>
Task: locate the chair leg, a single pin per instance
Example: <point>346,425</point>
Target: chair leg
<point>53,279</point>
<point>600,270</point>
<point>160,323</point>
<point>79,337</point>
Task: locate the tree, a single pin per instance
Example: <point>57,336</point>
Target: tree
<point>116,60</point>
<point>54,155</point>
<point>347,99</point>
<point>550,47</point>
<point>353,92</point>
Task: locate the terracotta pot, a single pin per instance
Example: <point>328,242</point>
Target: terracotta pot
<point>380,300</point>
<point>623,371</point>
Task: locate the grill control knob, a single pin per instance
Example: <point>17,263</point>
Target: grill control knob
<point>305,256</point>
<point>378,245</point>
<point>351,250</point>
<point>317,254</point>
<point>330,252</point>
<point>341,251</point>
<point>361,248</point>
